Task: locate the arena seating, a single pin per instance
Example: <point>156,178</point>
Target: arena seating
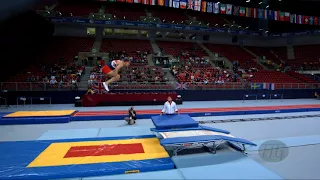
<point>176,48</point>
<point>301,77</point>
<point>273,77</point>
<point>212,20</point>
<point>67,47</point>
<point>79,9</point>
<point>281,52</point>
<point>235,53</point>
<point>130,12</point>
<point>264,51</point>
<point>307,55</point>
<point>175,16</point>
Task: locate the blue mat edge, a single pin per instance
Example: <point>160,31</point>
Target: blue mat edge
<point>148,116</point>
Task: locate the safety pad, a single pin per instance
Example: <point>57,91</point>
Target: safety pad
<point>124,131</point>
<point>173,121</point>
<point>82,157</point>
<point>205,138</point>
<point>29,114</point>
<point>35,120</point>
<point>192,129</point>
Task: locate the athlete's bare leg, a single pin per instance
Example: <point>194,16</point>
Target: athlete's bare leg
<point>114,77</point>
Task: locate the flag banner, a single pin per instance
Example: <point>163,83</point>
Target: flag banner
<point>260,13</point>
<point>315,20</point>
<point>248,12</point>
<point>281,16</point>
<point>256,86</point>
<point>176,4</point>
<point>229,9</point>
<point>265,14</point>
<point>139,1</point>
<point>242,11</point>
<point>271,14</point>
<point>190,4</point>
<point>209,7</point>
<point>129,1</point>
<point>305,19</point>
<point>222,9</point>
<point>311,20</point>
<point>216,8</point>
<point>269,86</point>
<point>183,4</point>
<point>161,2</point>
<point>299,20</point>
<point>293,18</point>
<point>197,5</point>
<point>111,0</point>
<point>181,86</point>
<point>277,15</point>
<point>286,16</point>
<point>255,12</point>
<point>99,89</point>
<point>145,1</point>
<point>204,6</point>
<point>236,10</point>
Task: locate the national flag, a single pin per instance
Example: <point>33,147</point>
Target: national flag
<point>183,4</point>
<point>229,9</point>
<point>121,0</point>
<point>265,14</point>
<point>305,19</point>
<point>161,2</point>
<point>176,4</point>
<point>197,5</point>
<point>255,12</point>
<point>236,10</point>
<point>99,89</point>
<point>311,20</point>
<point>145,1</point>
<point>315,20</point>
<point>209,7</point>
<point>204,6</point>
<point>293,18</point>
<point>268,86</point>
<point>139,1</point>
<point>222,9</point>
<point>181,86</point>
<point>281,16</point>
<point>248,12</point>
<point>277,15</point>
<point>152,2</point>
<point>190,4</point>
<point>260,13</point>
<point>216,8</point>
<point>129,1</point>
<point>256,86</point>
<point>111,0</point>
<point>270,14</point>
<point>242,11</point>
<point>299,20</point>
<point>286,16</point>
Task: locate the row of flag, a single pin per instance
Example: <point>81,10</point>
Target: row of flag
<point>229,9</point>
<point>267,86</point>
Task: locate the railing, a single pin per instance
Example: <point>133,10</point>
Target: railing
<point>36,86</point>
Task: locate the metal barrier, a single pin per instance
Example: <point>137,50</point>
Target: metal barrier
<point>36,86</point>
<point>24,100</point>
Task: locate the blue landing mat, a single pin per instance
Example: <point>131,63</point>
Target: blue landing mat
<point>173,121</point>
<point>198,114</point>
<point>40,120</point>
<point>223,165</point>
<point>16,156</point>
<point>70,134</point>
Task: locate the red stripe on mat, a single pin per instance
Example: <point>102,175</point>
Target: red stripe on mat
<point>195,110</point>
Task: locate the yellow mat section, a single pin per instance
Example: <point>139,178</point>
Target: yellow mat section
<point>54,154</point>
<point>40,113</point>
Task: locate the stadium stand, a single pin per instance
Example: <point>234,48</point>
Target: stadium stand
<point>79,9</point>
<point>264,51</point>
<point>307,57</point>
<point>129,12</point>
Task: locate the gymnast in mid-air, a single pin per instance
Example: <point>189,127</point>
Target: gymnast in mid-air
<point>111,70</point>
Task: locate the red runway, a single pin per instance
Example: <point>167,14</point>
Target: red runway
<point>197,110</point>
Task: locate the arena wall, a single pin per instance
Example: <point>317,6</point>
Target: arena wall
<point>67,97</point>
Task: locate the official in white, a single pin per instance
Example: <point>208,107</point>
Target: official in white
<point>170,107</point>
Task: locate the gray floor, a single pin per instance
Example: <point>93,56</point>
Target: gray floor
<point>189,104</point>
<point>301,163</point>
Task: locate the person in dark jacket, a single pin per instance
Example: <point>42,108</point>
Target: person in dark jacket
<point>132,116</point>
